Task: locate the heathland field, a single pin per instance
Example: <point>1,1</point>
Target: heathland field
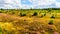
<point>30,21</point>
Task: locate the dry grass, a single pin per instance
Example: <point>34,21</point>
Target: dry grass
<point>12,24</point>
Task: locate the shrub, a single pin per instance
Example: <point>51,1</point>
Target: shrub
<point>12,12</point>
<point>22,14</point>
<point>51,22</point>
<point>44,14</point>
<point>35,14</point>
<point>25,32</point>
<point>49,10</point>
<point>52,16</point>
<point>41,16</point>
<point>0,11</point>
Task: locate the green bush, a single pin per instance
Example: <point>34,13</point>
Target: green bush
<point>25,32</point>
<point>35,14</point>
<point>49,9</point>
<point>52,16</point>
<point>50,22</point>
<point>22,14</point>
<point>44,14</point>
<point>0,11</point>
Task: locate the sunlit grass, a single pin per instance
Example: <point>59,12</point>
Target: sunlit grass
<point>29,22</point>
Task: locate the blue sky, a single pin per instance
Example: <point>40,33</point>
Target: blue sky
<point>27,4</point>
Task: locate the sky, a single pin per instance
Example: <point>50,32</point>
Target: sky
<point>27,4</point>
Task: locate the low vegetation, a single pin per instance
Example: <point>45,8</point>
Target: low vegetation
<point>30,21</point>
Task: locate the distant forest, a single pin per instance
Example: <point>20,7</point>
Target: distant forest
<point>31,9</point>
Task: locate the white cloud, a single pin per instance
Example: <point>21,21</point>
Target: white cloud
<point>58,4</point>
<point>35,4</point>
<point>26,6</point>
<point>8,1</point>
<point>11,4</point>
<point>39,3</point>
<point>42,2</point>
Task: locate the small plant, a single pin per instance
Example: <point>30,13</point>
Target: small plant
<point>51,22</point>
<point>22,14</point>
<point>35,14</point>
<point>25,32</point>
<point>0,11</point>
<point>9,32</point>
<point>44,14</point>
<point>52,16</point>
<point>41,16</point>
<point>49,9</point>
<point>12,12</point>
